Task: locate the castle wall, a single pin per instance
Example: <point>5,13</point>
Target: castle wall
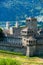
<point>39,47</point>
<point>14,41</point>
<point>39,50</point>
<point>30,50</point>
<point>12,47</point>
<point>17,31</point>
<point>18,36</point>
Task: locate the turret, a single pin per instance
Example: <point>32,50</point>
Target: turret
<point>7,25</point>
<point>31,23</point>
<point>16,25</point>
<point>11,30</point>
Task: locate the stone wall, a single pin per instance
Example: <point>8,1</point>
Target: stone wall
<point>39,50</point>
<point>39,47</point>
<point>11,47</point>
<point>30,50</point>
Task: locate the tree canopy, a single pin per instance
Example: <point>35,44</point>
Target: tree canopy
<point>1,35</point>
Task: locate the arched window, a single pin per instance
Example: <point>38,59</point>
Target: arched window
<point>32,41</point>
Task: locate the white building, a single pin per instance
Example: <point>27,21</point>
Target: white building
<point>28,36</point>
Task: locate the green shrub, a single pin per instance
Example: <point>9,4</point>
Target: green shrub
<point>9,62</point>
<point>2,35</point>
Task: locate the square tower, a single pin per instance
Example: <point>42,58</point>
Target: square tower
<point>31,23</point>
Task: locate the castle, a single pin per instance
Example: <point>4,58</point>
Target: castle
<point>27,40</point>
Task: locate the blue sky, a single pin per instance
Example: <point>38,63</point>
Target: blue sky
<point>10,10</point>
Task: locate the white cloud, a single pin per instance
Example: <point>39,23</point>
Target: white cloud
<point>25,15</point>
<point>39,18</point>
<point>11,3</point>
<point>7,4</point>
<point>38,7</point>
<point>41,11</point>
<point>23,21</point>
<point>26,4</point>
<point>31,10</point>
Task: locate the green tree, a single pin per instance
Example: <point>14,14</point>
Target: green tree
<point>1,35</point>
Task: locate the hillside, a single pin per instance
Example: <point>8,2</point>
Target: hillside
<point>7,58</point>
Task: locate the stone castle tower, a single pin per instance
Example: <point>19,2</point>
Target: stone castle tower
<point>31,23</point>
<point>16,25</point>
<point>7,25</point>
<point>28,34</point>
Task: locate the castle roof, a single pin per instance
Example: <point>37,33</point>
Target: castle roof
<point>26,29</point>
<point>31,19</point>
<point>31,38</point>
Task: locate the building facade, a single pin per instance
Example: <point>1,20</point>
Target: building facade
<point>28,39</point>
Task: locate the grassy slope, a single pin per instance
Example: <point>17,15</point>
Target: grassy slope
<point>10,58</point>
